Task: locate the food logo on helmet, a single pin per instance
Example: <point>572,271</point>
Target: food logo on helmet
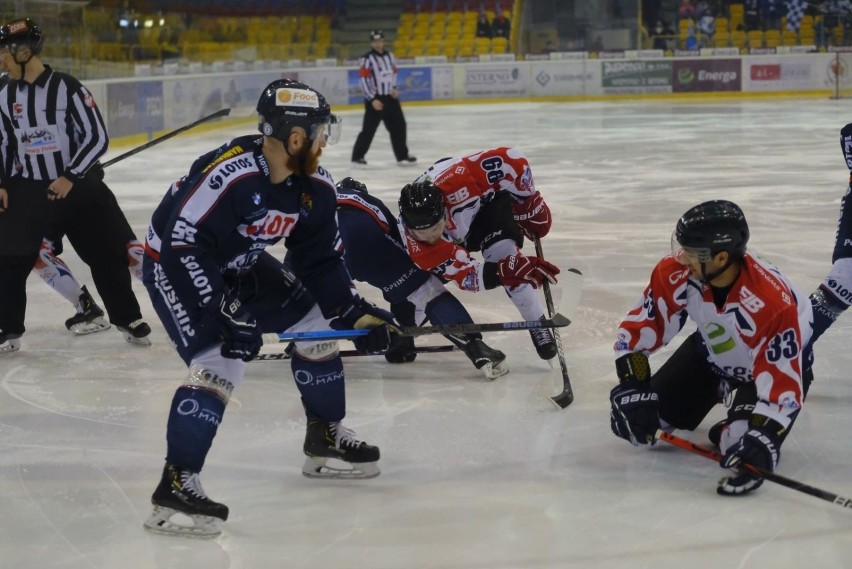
<point>296,98</point>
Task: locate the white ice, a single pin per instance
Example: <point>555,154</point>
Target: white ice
<point>475,474</point>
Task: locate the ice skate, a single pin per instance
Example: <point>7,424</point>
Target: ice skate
<point>332,441</point>
<point>9,343</point>
<point>136,333</point>
<point>181,507</point>
<point>544,342</point>
<point>89,318</point>
<point>492,362</point>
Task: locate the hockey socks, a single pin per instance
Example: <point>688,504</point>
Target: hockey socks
<point>320,383</point>
<point>826,310</point>
<point>194,418</point>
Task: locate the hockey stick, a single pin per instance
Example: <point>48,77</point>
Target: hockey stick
<point>557,321</point>
<point>352,353</point>
<point>771,476</point>
<point>165,137</point>
<point>565,398</point>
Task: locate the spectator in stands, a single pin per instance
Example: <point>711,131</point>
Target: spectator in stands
<point>770,14</point>
<point>661,33</point>
<point>752,15</point>
<point>686,10</point>
<point>706,23</point>
<point>483,26</point>
<point>501,27</point>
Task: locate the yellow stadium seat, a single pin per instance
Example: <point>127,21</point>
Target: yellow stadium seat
<point>722,24</point>
<point>789,38</point>
<point>755,38</point>
<point>738,39</point>
<point>772,38</point>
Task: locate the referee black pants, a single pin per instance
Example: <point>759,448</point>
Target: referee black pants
<point>394,121</point>
<point>97,230</point>
<point>22,227</point>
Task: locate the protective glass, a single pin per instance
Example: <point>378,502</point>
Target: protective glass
<point>431,234</point>
<point>689,255</point>
<point>329,130</point>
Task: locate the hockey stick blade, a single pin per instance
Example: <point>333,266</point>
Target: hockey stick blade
<point>168,135</point>
<point>558,321</point>
<point>717,457</point>
<point>353,353</point>
<point>566,397</point>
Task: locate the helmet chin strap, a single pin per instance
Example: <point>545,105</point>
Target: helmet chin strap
<point>23,64</point>
<point>707,278</point>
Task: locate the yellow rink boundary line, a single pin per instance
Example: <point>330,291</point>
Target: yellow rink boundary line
<point>139,139</point>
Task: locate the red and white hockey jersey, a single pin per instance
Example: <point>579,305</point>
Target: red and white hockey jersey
<point>468,183</point>
<point>758,335</point>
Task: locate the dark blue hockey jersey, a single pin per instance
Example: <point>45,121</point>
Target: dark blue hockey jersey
<point>218,218</point>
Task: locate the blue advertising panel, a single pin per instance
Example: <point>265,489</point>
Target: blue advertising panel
<point>414,84</point>
<point>135,108</point>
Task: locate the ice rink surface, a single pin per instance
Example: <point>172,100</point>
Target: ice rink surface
<point>475,474</point>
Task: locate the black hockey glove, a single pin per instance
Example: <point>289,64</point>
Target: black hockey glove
<point>360,314</point>
<point>759,447</point>
<point>634,414</point>
<point>241,336</point>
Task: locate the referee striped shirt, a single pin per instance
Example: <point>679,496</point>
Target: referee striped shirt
<point>378,74</point>
<point>51,128</point>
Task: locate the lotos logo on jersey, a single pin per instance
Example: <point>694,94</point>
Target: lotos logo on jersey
<point>296,98</point>
<point>226,170</point>
<point>275,225</point>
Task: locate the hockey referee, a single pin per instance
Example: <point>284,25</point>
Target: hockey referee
<point>50,181</point>
<point>377,73</point>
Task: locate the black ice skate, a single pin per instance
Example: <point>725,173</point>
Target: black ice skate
<point>181,507</point>
<point>332,441</point>
<point>492,362</point>
<point>89,318</point>
<point>136,333</point>
<point>9,342</point>
<point>544,342</point>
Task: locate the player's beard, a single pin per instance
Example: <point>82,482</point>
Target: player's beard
<point>306,162</point>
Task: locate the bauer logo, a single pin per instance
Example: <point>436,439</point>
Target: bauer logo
<point>296,98</point>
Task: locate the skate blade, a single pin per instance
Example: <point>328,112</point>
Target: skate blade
<point>494,370</point>
<point>84,328</point>
<point>166,521</point>
<point>318,467</point>
<point>130,339</point>
<point>9,348</point>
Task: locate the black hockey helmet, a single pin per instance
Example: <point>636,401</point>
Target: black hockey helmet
<point>21,33</point>
<point>421,205</point>
<point>377,35</point>
<point>711,227</point>
<point>350,183</point>
<point>286,103</point>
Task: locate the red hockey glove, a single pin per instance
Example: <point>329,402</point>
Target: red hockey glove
<point>517,270</point>
<point>533,216</point>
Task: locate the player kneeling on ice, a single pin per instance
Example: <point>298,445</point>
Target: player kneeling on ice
<point>482,202</point>
<point>374,253</point>
<point>216,290</point>
<point>752,326</point>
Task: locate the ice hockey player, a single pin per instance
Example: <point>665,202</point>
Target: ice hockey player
<point>374,253</point>
<point>752,328</point>
<point>485,202</point>
<point>216,289</point>
<point>834,295</point>
<point>89,317</point>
